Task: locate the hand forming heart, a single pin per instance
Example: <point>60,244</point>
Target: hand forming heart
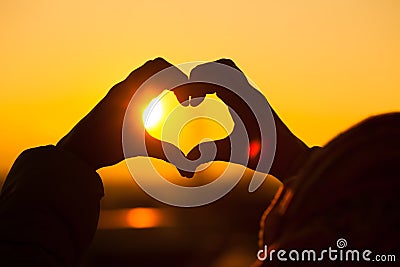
<point>97,138</point>
<point>253,124</point>
<point>272,147</point>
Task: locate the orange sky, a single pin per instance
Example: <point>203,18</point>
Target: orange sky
<point>323,65</point>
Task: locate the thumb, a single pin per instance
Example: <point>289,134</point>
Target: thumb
<point>200,152</point>
<point>206,152</point>
<point>159,149</point>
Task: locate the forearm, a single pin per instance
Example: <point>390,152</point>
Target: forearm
<point>290,150</point>
<point>49,202</point>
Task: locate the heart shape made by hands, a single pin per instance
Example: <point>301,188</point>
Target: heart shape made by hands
<point>187,126</point>
<point>184,133</point>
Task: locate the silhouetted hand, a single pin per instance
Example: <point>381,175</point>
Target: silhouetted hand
<point>288,146</point>
<point>97,138</point>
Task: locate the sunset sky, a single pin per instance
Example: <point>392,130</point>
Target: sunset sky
<point>323,65</point>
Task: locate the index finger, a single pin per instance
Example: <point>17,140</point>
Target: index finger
<point>136,78</point>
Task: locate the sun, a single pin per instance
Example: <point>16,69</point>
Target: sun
<point>153,113</point>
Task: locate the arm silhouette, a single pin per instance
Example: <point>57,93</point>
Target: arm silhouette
<point>50,201</point>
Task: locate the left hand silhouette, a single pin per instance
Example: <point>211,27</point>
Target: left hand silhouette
<point>97,138</point>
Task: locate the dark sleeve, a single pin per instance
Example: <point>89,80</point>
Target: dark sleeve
<point>49,208</point>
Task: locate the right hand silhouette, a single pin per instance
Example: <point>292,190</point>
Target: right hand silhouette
<point>196,92</point>
<point>288,146</point>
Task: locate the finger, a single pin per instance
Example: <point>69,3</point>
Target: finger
<point>192,93</point>
<point>194,102</point>
<point>222,154</point>
<point>183,93</point>
<point>217,77</point>
<point>157,149</point>
<point>152,67</point>
<point>147,70</point>
<point>237,86</point>
<point>186,174</point>
<point>228,62</point>
<point>201,155</point>
<point>154,147</point>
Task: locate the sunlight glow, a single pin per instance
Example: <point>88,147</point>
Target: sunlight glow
<point>185,127</point>
<point>153,113</point>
